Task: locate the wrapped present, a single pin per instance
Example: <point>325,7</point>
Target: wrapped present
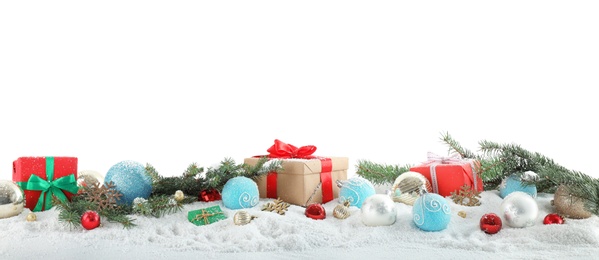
<point>304,178</point>
<point>449,174</point>
<point>41,178</point>
<point>206,216</point>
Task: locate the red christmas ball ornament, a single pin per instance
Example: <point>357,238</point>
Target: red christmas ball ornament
<point>490,223</point>
<point>553,218</point>
<point>315,211</point>
<point>209,195</point>
<point>90,220</point>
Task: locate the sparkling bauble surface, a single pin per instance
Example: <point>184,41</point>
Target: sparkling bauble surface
<point>490,223</point>
<point>316,211</point>
<point>519,210</point>
<point>90,220</point>
<point>240,193</point>
<point>131,180</point>
<point>11,199</point>
<point>431,212</point>
<point>31,217</point>
<point>553,218</point>
<point>378,210</point>
<point>408,186</point>
<point>356,190</point>
<point>514,183</point>
<point>89,177</point>
<point>569,206</point>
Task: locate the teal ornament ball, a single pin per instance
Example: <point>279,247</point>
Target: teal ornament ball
<point>514,183</point>
<point>355,190</point>
<point>240,193</point>
<point>131,181</point>
<point>431,212</point>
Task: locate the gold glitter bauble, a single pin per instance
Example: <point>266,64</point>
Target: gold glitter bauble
<point>179,196</point>
<point>569,206</point>
<point>242,218</point>
<point>11,199</point>
<point>341,211</point>
<point>408,186</point>
<point>31,217</point>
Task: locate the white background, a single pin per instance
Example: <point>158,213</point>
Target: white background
<point>175,82</point>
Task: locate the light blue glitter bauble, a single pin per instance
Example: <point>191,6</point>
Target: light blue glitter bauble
<point>240,193</point>
<point>356,190</point>
<point>513,183</point>
<point>131,180</point>
<point>431,212</point>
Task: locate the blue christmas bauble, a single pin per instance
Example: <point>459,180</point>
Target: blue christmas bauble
<point>131,181</point>
<point>240,193</point>
<point>356,190</point>
<point>514,183</point>
<point>431,212</point>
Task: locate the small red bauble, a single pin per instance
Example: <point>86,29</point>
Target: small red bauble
<point>553,218</point>
<point>209,195</point>
<point>90,220</point>
<point>316,211</point>
<point>490,223</point>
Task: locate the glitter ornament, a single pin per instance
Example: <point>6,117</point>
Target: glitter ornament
<point>240,193</point>
<point>408,186</point>
<point>553,218</point>
<point>11,199</point>
<point>31,217</point>
<point>490,223</point>
<point>341,211</point>
<point>431,212</point>
<point>131,181</point>
<point>90,220</point>
<point>242,218</point>
<point>514,183</point>
<point>519,209</point>
<point>315,211</point>
<point>355,190</point>
<point>179,196</point>
<point>88,178</point>
<point>569,206</point>
<point>378,210</point>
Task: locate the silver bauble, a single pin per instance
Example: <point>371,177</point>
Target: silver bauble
<point>378,210</point>
<point>11,199</point>
<point>89,177</point>
<point>519,210</point>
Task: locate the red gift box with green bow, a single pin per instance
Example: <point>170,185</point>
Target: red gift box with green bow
<point>41,178</point>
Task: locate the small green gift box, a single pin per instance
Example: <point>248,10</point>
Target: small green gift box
<point>206,216</point>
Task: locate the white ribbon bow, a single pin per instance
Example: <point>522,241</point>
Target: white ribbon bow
<point>435,158</point>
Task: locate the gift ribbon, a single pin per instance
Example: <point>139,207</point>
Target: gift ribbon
<point>50,187</point>
<point>287,151</point>
<point>204,216</point>
<point>455,158</point>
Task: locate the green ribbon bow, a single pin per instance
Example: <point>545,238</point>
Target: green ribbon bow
<point>50,187</point>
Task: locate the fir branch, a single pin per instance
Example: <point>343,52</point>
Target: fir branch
<point>380,174</point>
<point>190,182</point>
<point>157,206</point>
<point>454,146</point>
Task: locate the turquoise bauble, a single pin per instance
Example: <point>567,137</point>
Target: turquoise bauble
<point>131,181</point>
<point>356,190</point>
<point>514,183</point>
<point>431,212</point>
<point>240,193</point>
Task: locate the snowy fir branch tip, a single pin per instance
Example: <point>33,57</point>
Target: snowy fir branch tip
<point>380,174</point>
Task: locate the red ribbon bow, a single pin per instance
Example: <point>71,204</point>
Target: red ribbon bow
<point>286,151</point>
